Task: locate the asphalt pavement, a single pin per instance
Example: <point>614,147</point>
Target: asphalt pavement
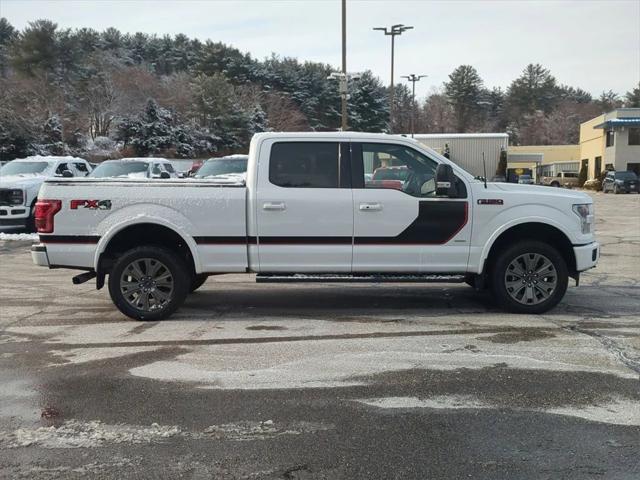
<point>307,381</point>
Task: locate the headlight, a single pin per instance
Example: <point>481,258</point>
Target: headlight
<point>585,212</point>
<point>16,197</point>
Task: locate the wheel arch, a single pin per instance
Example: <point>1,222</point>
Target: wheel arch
<point>151,231</point>
<point>530,230</point>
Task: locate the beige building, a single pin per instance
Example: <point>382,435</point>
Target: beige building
<point>544,160</point>
<point>611,142</point>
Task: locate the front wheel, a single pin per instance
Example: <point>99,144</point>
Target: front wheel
<point>616,190</point>
<point>149,283</point>
<point>529,277</point>
<point>555,184</point>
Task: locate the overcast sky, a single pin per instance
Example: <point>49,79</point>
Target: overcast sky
<point>594,45</point>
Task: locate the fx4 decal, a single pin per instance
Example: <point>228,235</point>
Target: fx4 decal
<point>91,204</point>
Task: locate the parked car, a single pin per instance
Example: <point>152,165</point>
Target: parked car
<point>388,177</point>
<point>562,179</point>
<point>499,179</point>
<point>232,168</point>
<point>621,182</point>
<point>305,216</point>
<point>135,168</point>
<point>525,180</point>
<point>20,181</point>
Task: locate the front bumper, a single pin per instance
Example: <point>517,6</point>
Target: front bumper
<point>39,255</point>
<point>14,216</point>
<point>587,256</point>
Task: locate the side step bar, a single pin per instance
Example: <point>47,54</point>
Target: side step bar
<point>360,278</point>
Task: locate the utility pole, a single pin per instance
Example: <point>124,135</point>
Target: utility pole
<point>343,80</point>
<point>413,78</point>
<point>392,31</point>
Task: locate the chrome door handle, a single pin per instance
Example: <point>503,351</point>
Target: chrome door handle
<point>274,206</point>
<point>366,207</point>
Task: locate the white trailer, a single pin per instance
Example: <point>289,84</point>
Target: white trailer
<point>465,149</point>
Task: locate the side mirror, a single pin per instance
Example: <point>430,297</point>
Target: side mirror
<point>165,175</point>
<point>445,181</point>
<point>67,174</point>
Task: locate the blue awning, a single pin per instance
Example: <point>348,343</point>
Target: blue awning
<point>620,122</point>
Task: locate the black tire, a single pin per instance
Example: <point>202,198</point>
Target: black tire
<point>555,184</point>
<point>197,281</point>
<point>615,190</point>
<point>31,221</point>
<point>177,274</point>
<point>499,273</point>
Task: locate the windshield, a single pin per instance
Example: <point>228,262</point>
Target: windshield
<point>626,176</point>
<point>119,169</point>
<point>23,168</point>
<point>222,166</point>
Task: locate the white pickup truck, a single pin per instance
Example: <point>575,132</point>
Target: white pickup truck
<point>309,211</point>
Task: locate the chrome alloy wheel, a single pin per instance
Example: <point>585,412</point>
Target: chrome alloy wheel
<point>530,279</point>
<point>147,284</point>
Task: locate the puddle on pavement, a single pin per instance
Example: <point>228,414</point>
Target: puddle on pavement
<point>524,335</point>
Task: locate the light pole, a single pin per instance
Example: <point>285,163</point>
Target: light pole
<point>343,84</point>
<point>392,31</point>
<point>413,78</point>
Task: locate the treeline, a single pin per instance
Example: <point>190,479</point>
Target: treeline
<point>105,94</point>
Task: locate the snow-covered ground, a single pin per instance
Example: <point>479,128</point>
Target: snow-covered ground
<point>19,237</point>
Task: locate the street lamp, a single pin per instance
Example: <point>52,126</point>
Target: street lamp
<point>392,31</point>
<point>413,78</point>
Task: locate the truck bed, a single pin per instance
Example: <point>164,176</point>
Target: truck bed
<point>211,215</point>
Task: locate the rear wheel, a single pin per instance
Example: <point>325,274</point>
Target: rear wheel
<point>555,184</point>
<point>529,277</point>
<point>197,281</point>
<point>148,283</point>
<point>616,190</point>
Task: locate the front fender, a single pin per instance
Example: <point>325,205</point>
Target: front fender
<point>513,217</point>
<point>145,213</point>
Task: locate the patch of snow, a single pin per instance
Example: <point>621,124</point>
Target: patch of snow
<point>76,434</point>
<point>617,412</point>
<point>440,402</point>
<point>18,237</point>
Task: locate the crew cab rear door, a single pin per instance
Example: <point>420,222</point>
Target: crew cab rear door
<point>304,207</point>
<point>401,226</point>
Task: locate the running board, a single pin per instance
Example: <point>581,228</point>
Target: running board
<point>360,278</point>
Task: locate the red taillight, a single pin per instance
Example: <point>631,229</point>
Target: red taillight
<point>45,210</point>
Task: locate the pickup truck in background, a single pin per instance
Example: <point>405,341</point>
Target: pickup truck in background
<point>562,179</point>
<point>309,212</point>
<point>20,181</point>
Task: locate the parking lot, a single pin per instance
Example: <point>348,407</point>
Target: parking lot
<point>298,381</point>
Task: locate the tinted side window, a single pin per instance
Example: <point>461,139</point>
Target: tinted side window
<point>398,167</point>
<point>81,167</point>
<point>304,164</point>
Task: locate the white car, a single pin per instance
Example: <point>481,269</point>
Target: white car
<point>229,169</point>
<point>306,214</point>
<point>20,181</point>
<point>135,168</point>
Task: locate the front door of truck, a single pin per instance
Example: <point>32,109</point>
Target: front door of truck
<point>400,225</point>
<point>304,207</point>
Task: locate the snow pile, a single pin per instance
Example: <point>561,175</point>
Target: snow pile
<point>19,237</point>
<point>75,434</point>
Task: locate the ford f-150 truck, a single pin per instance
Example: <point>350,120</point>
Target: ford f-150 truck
<point>310,211</point>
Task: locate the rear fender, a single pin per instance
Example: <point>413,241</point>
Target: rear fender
<point>146,213</point>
